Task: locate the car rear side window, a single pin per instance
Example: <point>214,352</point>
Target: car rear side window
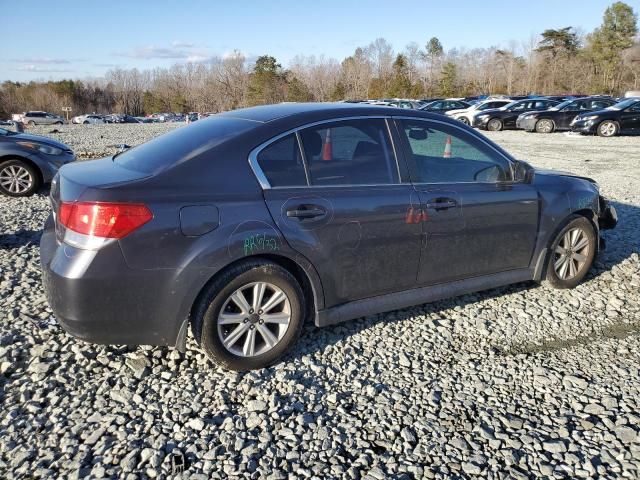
<point>444,154</point>
<point>281,162</point>
<point>350,152</point>
<point>182,144</point>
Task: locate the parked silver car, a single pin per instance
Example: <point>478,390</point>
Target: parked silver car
<point>41,118</point>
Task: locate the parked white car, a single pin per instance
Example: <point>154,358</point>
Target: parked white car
<point>466,115</point>
<point>87,119</point>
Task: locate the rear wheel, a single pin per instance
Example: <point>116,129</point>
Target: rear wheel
<point>545,125</point>
<point>85,123</point>
<point>18,179</point>
<point>249,316</point>
<point>58,123</point>
<point>494,125</point>
<point>571,253</point>
<point>464,120</point>
<point>608,128</point>
<point>31,123</point>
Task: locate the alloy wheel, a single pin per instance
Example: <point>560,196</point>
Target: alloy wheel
<point>494,125</point>
<point>254,319</point>
<point>544,126</point>
<point>15,179</point>
<point>571,254</point>
<point>608,129</point>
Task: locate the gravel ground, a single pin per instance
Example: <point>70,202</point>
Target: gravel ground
<point>518,382</point>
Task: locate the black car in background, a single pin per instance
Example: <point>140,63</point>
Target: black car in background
<point>442,106</point>
<point>506,117</point>
<point>246,224</point>
<point>623,117</point>
<point>561,116</point>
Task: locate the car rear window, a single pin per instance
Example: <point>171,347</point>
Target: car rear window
<point>182,144</point>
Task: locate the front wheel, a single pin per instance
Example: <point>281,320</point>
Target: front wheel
<point>249,316</point>
<point>18,179</point>
<point>571,253</point>
<point>464,120</point>
<point>608,128</point>
<point>545,125</point>
<point>494,125</point>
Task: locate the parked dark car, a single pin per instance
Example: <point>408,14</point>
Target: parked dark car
<point>245,224</point>
<point>506,117</point>
<point>623,117</point>
<point>443,106</point>
<point>29,161</point>
<point>560,116</point>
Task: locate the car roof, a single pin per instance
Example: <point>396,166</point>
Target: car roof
<point>268,113</point>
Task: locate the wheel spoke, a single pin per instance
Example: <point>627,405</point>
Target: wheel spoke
<point>572,268</point>
<point>249,348</point>
<point>576,234</point>
<point>231,318</point>
<point>280,318</point>
<point>275,299</point>
<point>234,336</point>
<point>560,262</point>
<point>241,302</point>
<point>562,272</point>
<point>258,294</point>
<point>581,244</point>
<point>579,257</point>
<point>566,240</point>
<point>269,338</point>
<point>561,250</point>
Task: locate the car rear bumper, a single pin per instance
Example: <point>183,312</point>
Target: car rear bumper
<point>480,123</point>
<point>98,298</point>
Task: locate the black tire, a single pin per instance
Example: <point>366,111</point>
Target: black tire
<point>494,125</point>
<point>608,128</point>
<point>85,123</point>
<point>205,317</point>
<point>58,123</point>
<point>33,173</point>
<point>573,222</point>
<point>464,120</point>
<point>31,123</point>
<point>545,125</point>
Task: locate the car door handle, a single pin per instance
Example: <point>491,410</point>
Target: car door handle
<point>441,204</point>
<point>303,213</point>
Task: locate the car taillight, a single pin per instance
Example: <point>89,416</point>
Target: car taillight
<point>104,220</point>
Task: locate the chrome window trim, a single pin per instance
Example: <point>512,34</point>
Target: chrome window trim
<point>475,135</point>
<point>264,182</point>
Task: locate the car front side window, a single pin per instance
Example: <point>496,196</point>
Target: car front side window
<point>349,152</point>
<point>444,154</point>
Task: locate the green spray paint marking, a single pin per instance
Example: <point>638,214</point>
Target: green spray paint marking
<point>260,243</point>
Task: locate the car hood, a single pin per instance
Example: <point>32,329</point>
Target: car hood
<point>40,139</point>
<point>459,110</point>
<point>560,173</point>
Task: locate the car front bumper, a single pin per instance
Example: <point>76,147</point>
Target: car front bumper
<point>526,123</point>
<point>480,122</point>
<point>583,126</point>
<point>98,298</point>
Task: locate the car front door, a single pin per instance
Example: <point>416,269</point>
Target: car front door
<point>336,192</point>
<point>630,118</point>
<point>476,219</point>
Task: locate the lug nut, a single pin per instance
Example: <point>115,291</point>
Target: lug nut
<point>259,312</point>
<point>251,310</point>
<point>261,322</point>
<point>252,327</point>
<point>246,320</point>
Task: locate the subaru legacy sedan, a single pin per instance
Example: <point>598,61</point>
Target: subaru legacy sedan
<point>243,226</point>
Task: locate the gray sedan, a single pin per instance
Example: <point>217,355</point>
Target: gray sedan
<point>29,161</point>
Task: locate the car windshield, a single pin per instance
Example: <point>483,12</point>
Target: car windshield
<point>560,106</point>
<point>623,104</point>
<point>511,105</point>
<point>182,144</point>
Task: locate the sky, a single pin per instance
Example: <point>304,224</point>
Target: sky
<point>54,39</point>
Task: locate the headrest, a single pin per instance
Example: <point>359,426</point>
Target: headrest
<point>312,142</point>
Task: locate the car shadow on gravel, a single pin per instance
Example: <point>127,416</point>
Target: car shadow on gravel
<point>622,242</point>
<point>21,238</point>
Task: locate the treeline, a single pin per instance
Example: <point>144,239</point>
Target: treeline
<point>606,60</point>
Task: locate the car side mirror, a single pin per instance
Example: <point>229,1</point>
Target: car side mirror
<point>523,172</point>
<point>418,134</point>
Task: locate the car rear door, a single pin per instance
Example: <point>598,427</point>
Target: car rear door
<point>476,220</point>
<point>336,192</point>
